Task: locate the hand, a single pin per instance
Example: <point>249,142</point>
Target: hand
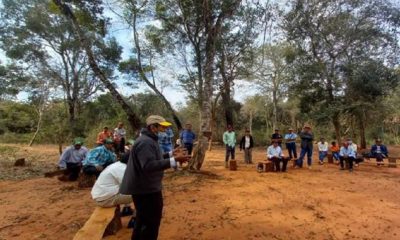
<point>99,168</point>
<point>183,158</point>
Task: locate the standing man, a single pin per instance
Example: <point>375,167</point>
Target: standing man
<point>143,177</point>
<point>290,139</point>
<point>187,138</point>
<point>165,140</point>
<point>277,137</point>
<point>99,158</point>
<point>274,154</point>
<point>229,139</point>
<point>307,138</point>
<point>379,152</point>
<point>71,160</point>
<point>247,143</point>
<point>347,153</point>
<point>102,136</point>
<point>322,150</point>
<point>119,138</point>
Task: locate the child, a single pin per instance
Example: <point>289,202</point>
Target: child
<point>335,152</point>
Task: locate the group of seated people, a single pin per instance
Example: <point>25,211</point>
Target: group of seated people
<point>346,153</point>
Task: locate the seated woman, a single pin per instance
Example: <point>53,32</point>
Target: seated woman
<point>379,152</point>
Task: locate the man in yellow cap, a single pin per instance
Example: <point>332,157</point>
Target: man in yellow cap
<point>143,177</point>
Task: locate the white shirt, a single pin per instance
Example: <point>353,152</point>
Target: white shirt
<point>323,147</point>
<point>246,142</point>
<point>119,133</point>
<point>353,146</point>
<point>274,151</point>
<point>107,185</point>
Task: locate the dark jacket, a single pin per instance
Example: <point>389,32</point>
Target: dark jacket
<point>306,140</point>
<point>374,148</point>
<point>146,165</point>
<point>243,141</point>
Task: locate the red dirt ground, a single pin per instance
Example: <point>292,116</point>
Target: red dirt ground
<point>322,203</point>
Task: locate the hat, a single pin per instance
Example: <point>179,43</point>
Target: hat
<point>108,141</point>
<point>307,126</point>
<point>153,119</point>
<point>78,141</point>
<point>378,140</point>
<point>276,129</point>
<point>290,129</point>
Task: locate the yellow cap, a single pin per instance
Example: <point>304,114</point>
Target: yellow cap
<point>157,119</point>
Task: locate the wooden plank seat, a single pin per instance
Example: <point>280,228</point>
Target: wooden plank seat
<point>102,222</point>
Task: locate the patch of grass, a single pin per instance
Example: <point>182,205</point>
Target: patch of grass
<point>7,150</point>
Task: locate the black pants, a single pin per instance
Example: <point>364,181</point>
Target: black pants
<point>73,170</point>
<point>189,148</point>
<point>230,151</point>
<point>92,170</point>
<point>148,215</point>
<point>349,159</point>
<point>277,161</point>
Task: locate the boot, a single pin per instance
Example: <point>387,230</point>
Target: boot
<point>126,211</point>
<point>131,223</point>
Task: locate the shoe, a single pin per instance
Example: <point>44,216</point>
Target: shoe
<point>131,223</point>
<point>350,170</point>
<point>259,170</point>
<point>356,165</point>
<point>126,211</point>
<point>321,163</point>
<point>309,167</point>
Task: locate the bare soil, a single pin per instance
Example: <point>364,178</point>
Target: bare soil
<point>321,203</point>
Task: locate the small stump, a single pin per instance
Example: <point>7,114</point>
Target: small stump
<point>86,181</point>
<point>19,162</point>
<point>330,158</point>
<point>232,165</point>
<point>392,162</point>
<point>268,166</point>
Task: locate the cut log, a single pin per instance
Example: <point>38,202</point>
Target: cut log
<point>54,173</point>
<point>102,222</point>
<point>232,165</point>
<point>330,158</point>
<point>19,162</point>
<point>86,181</point>
<point>268,166</point>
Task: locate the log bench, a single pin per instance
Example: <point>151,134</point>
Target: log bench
<point>268,166</point>
<point>102,222</point>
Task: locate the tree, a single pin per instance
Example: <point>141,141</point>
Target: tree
<point>330,34</point>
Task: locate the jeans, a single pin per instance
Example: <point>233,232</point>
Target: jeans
<point>229,151</point>
<point>166,148</point>
<point>322,155</point>
<point>189,148</point>
<point>303,152</point>
<point>291,147</point>
<point>350,159</point>
<point>247,155</point>
<point>335,155</point>
<point>148,215</point>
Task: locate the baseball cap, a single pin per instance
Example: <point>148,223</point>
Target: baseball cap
<point>153,119</point>
<point>78,141</point>
<point>108,141</point>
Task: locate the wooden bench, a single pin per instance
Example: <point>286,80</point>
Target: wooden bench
<point>102,222</point>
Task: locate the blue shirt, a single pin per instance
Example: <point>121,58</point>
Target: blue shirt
<point>165,138</point>
<point>273,151</point>
<point>99,156</point>
<point>349,151</point>
<point>187,136</point>
<point>71,155</point>
<point>290,136</point>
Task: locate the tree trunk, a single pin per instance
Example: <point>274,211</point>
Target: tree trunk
<point>132,118</point>
<point>274,109</point>
<point>37,127</point>
<point>362,121</point>
<point>251,122</point>
<point>336,124</point>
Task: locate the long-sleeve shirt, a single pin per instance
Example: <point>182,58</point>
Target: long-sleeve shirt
<point>99,156</point>
<point>229,138</point>
<point>273,151</point>
<point>290,137</point>
<point>119,133</point>
<point>187,136</point>
<point>72,155</point>
<point>379,149</point>
<point>306,139</point>
<point>107,185</point>
<point>322,147</point>
<point>349,152</point>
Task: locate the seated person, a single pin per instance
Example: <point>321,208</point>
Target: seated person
<point>379,152</point>
<point>71,160</point>
<point>99,158</point>
<point>106,188</point>
<point>322,150</point>
<point>274,154</point>
<point>347,153</point>
<point>335,151</point>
